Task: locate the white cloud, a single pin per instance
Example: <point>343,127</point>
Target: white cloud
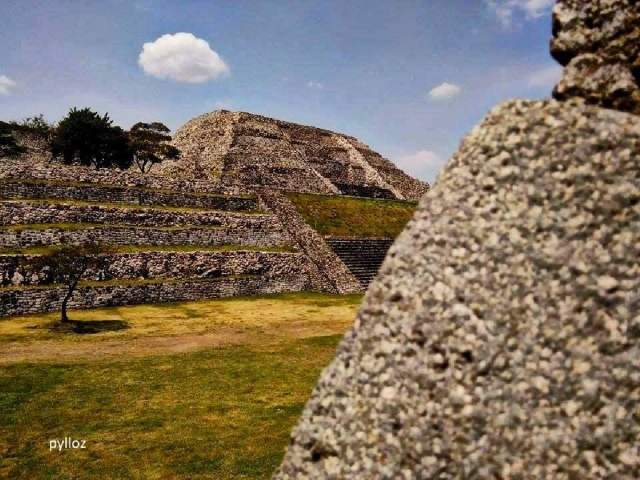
<point>547,77</point>
<point>315,85</point>
<point>7,85</point>
<point>182,57</point>
<point>505,10</point>
<point>445,91</point>
<point>423,164</point>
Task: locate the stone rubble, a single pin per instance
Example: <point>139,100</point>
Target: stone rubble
<point>598,43</point>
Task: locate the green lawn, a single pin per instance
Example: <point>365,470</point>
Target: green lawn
<point>221,412</point>
<point>340,216</point>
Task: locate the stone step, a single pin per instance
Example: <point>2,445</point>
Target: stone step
<point>363,257</point>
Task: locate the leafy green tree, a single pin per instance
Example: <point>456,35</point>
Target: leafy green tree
<point>85,136</point>
<point>8,145</point>
<point>68,264</point>
<point>38,127</point>
<point>116,150</point>
<point>150,145</point>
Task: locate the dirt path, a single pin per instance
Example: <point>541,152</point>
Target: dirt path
<point>92,350</point>
<point>103,349</point>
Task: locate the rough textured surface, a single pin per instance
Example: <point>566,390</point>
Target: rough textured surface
<point>21,212</point>
<point>237,149</point>
<point>40,300</point>
<point>130,235</point>
<point>34,167</point>
<point>41,189</point>
<point>599,44</point>
<point>501,338</point>
<point>168,265</point>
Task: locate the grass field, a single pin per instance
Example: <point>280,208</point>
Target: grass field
<point>187,391</point>
<point>340,216</point>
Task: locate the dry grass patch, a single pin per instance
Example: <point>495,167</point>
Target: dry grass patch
<point>228,320</point>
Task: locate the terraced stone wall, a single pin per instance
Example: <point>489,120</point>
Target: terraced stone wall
<point>411,188</point>
<point>39,300</point>
<point>12,189</point>
<point>239,148</point>
<point>168,265</point>
<point>19,212</point>
<point>129,235</point>
<point>21,168</point>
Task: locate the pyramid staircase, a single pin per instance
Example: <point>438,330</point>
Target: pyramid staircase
<point>363,257</point>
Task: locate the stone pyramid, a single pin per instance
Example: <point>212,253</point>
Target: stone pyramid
<point>252,151</point>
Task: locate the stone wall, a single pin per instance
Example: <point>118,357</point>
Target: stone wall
<point>16,188</point>
<point>42,299</point>
<point>598,43</point>
<point>24,212</point>
<point>170,265</point>
<point>29,168</point>
<point>365,192</point>
<point>124,235</point>
<point>330,273</point>
<point>411,188</point>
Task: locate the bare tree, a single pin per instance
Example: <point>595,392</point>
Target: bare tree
<point>68,264</point>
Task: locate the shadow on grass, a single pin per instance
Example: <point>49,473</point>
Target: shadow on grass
<point>88,327</point>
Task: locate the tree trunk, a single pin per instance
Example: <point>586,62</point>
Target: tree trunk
<point>64,318</point>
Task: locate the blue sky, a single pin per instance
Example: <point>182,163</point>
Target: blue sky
<point>409,78</point>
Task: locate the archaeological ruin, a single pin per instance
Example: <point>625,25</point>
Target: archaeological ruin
<point>217,222</point>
